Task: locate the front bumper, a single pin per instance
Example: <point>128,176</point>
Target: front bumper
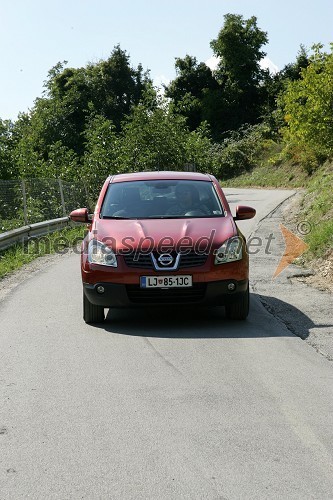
<point>210,293</point>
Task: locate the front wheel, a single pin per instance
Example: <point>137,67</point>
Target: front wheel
<point>239,310</point>
<point>91,312</point>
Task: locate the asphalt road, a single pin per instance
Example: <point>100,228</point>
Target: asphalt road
<point>166,404</point>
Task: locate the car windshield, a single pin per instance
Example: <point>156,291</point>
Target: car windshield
<point>161,199</point>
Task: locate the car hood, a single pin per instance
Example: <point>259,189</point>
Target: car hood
<point>126,235</point>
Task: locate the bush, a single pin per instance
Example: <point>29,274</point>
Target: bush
<point>240,152</point>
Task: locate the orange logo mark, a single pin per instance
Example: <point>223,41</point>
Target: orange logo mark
<point>294,248</point>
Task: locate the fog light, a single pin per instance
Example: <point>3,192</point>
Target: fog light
<point>100,289</point>
<point>231,287</point>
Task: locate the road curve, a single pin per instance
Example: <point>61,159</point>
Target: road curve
<point>158,404</point>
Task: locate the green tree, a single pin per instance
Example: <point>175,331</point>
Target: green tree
<point>187,90</point>
<point>153,140</point>
<point>158,139</point>
<point>101,151</point>
<point>239,50</point>
<point>25,155</point>
<point>307,105</point>
<point>293,71</point>
<point>8,169</point>
<point>115,86</point>
<point>238,47</point>
<point>62,163</point>
<point>233,94</point>
<point>71,98</point>
<point>274,85</point>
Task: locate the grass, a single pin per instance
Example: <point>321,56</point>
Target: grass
<point>284,176</point>
<point>320,239</point>
<point>9,224</point>
<point>271,171</point>
<point>317,207</point>
<point>317,203</point>
<point>16,256</point>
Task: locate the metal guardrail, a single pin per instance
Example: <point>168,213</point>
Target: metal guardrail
<point>24,233</point>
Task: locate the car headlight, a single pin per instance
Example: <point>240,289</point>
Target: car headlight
<point>230,251</point>
<point>98,253</point>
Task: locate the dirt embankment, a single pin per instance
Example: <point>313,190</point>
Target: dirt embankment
<point>319,271</point>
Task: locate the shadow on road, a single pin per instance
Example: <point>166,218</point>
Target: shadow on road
<point>296,321</point>
<point>194,322</point>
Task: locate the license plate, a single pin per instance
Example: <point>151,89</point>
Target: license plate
<point>166,281</point>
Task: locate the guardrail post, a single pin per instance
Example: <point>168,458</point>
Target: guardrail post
<point>88,200</point>
<point>25,211</point>
<point>62,197</point>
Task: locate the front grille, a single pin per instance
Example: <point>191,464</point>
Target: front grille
<point>138,260</point>
<point>165,296</point>
<point>192,260</point>
<point>144,261</point>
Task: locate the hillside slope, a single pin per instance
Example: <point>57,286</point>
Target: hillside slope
<point>312,210</point>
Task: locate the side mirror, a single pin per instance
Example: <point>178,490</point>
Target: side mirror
<point>243,212</point>
<point>80,215</point>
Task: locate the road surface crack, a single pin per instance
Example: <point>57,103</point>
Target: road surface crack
<point>166,361</point>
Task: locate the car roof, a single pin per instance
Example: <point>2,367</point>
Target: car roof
<point>161,175</point>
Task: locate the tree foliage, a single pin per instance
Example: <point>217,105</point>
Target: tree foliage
<point>239,50</point>
<point>234,93</point>
<point>8,168</point>
<point>102,146</point>
<point>107,117</point>
<point>187,91</point>
<point>275,85</point>
<point>160,140</point>
<point>238,47</point>
<point>307,105</point>
<point>72,96</point>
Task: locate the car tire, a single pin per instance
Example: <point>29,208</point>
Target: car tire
<point>92,313</point>
<point>239,310</point>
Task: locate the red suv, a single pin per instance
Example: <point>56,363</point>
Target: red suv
<point>159,238</point>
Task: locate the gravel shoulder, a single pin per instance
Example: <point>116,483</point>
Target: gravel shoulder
<point>10,282</point>
<point>301,296</point>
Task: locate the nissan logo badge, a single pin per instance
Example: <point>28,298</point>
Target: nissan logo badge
<point>165,259</point>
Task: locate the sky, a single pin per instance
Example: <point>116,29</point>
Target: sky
<point>36,34</point>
